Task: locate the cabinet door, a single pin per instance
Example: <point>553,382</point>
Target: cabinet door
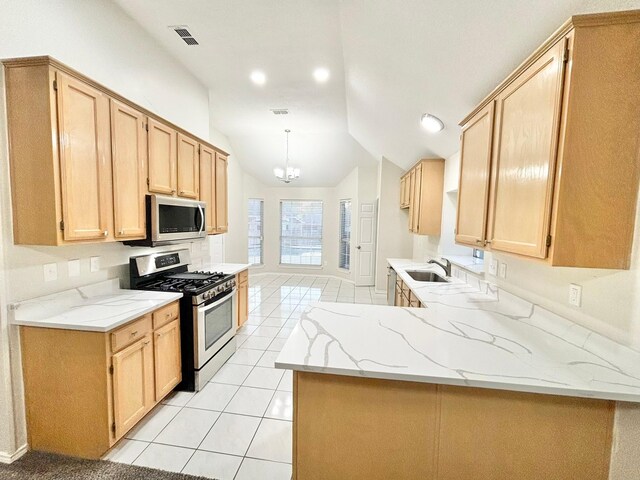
<point>417,199</point>
<point>243,303</point>
<point>85,160</point>
<point>221,194</point>
<point>403,182</point>
<point>208,186</point>
<point>473,187</point>
<point>188,167</point>
<point>527,119</point>
<point>129,160</point>
<point>398,298</point>
<point>412,200</point>
<point>167,360</point>
<point>162,158</point>
<point>132,384</point>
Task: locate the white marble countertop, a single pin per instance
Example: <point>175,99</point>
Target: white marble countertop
<point>98,308</point>
<point>226,268</point>
<point>468,262</point>
<point>469,335</point>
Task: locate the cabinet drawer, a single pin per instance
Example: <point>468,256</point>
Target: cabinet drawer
<point>164,315</point>
<point>243,276</point>
<point>130,333</point>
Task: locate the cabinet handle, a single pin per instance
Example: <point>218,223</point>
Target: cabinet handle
<point>181,192</point>
<point>167,315</point>
<point>121,232</point>
<point>173,191</point>
<point>133,334</point>
<point>147,342</point>
<point>105,233</point>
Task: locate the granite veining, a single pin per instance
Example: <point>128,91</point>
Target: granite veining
<point>98,307</point>
<point>473,335</point>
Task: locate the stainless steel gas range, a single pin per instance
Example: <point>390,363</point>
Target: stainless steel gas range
<point>207,311</point>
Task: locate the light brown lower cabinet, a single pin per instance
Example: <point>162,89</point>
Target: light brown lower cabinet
<point>371,429</point>
<point>242,280</point>
<point>85,390</point>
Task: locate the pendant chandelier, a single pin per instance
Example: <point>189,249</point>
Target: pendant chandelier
<point>286,174</point>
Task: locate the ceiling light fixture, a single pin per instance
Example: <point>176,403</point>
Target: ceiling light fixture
<point>321,75</point>
<point>258,77</point>
<point>431,123</point>
<point>286,174</point>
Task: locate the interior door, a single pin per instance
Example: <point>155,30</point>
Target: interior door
<point>527,118</point>
<point>85,159</point>
<point>129,159</point>
<point>473,188</point>
<point>207,186</point>
<point>133,391</point>
<point>166,353</point>
<point>162,158</point>
<point>188,167</point>
<point>365,250</point>
<point>221,194</point>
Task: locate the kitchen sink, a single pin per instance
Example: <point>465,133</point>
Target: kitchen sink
<point>425,276</point>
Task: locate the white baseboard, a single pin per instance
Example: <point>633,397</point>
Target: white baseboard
<point>9,458</point>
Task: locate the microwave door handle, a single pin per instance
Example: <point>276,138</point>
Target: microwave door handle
<point>201,219</point>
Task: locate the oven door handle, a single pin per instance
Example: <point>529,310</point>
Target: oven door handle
<point>202,219</point>
<point>204,308</point>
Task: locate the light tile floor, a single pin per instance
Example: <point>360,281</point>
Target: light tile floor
<point>239,426</point>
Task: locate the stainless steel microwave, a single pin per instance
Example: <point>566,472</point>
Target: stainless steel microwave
<point>172,220</point>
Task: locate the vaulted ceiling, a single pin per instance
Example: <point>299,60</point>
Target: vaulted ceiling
<point>390,61</point>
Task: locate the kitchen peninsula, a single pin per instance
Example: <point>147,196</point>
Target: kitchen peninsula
<point>479,384</point>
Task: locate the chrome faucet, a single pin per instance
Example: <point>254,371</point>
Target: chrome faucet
<point>445,266</point>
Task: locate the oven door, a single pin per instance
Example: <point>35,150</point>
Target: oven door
<point>176,219</point>
<point>214,326</point>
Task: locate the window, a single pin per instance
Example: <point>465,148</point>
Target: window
<point>301,232</point>
<point>256,220</point>
<point>344,253</point>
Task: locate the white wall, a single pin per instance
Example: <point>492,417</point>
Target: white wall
<point>394,239</point>
<point>98,39</point>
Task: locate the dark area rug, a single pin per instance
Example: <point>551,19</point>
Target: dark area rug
<point>47,466</point>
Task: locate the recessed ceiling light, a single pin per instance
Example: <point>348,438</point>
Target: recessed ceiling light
<point>431,123</point>
<point>258,77</point>
<point>321,74</point>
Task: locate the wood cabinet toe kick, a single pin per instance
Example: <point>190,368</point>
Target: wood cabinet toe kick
<point>85,390</point>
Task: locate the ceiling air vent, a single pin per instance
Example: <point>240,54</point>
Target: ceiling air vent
<point>184,34</point>
<point>280,111</point>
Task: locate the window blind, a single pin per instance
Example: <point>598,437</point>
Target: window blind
<point>344,252</point>
<point>256,232</point>
<point>301,232</point>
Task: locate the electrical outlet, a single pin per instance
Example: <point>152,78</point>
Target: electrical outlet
<point>503,270</point>
<point>493,267</point>
<point>94,264</point>
<point>50,271</point>
<point>74,268</point>
<point>575,295</point>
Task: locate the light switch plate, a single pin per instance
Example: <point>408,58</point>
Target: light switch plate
<point>50,271</point>
<point>575,294</point>
<point>503,270</point>
<point>74,267</point>
<point>94,264</point>
<point>493,267</point>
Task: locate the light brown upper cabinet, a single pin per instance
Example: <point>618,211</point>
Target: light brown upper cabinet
<point>163,162</point>
<point>188,167</point>
<point>222,221</point>
<point>473,189</point>
<point>404,191</point>
<point>129,158</point>
<point>563,186</point>
<point>425,183</point>
<point>208,187</point>
<point>80,155</point>
<point>85,159</point>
